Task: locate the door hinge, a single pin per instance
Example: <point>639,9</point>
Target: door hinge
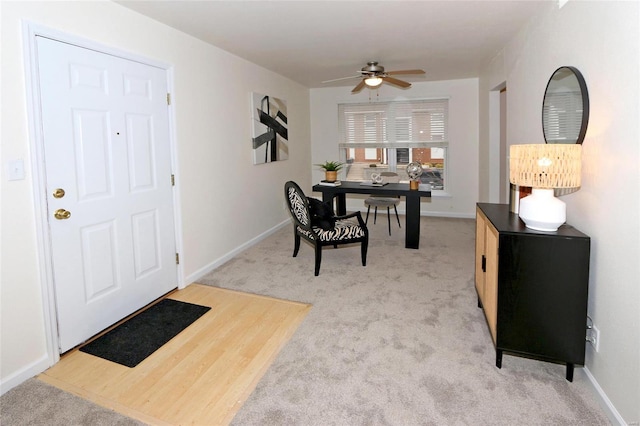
<point>168,98</point>
<point>173,180</point>
<point>177,258</point>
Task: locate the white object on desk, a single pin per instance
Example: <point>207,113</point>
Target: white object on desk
<point>376,178</point>
<point>371,183</point>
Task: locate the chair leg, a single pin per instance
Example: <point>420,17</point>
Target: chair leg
<point>318,259</point>
<point>367,219</point>
<point>375,215</point>
<point>296,244</point>
<point>363,251</point>
<point>389,219</point>
<point>397,217</point>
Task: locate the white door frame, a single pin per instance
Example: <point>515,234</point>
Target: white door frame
<point>496,167</point>
<point>30,31</point>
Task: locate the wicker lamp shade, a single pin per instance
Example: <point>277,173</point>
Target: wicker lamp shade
<point>546,165</point>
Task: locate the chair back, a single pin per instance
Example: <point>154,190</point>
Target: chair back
<point>298,204</point>
<point>390,177</point>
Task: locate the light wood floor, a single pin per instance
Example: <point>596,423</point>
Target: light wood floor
<point>203,375</point>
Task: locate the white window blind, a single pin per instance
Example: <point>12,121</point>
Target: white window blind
<point>562,115</point>
<point>401,124</point>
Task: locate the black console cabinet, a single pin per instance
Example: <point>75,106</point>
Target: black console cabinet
<point>532,286</point>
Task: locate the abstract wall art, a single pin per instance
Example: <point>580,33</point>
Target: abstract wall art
<point>270,138</point>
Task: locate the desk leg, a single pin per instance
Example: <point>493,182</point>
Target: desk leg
<point>341,202</point>
<point>412,224</point>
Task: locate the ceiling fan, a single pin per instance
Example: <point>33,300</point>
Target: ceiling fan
<point>373,75</point>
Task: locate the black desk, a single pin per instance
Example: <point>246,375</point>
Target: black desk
<point>412,217</point>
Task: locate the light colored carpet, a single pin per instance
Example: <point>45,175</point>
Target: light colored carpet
<point>398,342</point>
<point>36,403</point>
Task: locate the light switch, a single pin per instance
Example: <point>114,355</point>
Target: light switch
<point>15,169</point>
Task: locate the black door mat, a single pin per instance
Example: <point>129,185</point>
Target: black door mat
<point>133,341</point>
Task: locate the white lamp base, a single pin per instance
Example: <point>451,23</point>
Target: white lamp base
<point>542,211</point>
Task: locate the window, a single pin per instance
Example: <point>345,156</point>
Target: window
<point>388,135</point>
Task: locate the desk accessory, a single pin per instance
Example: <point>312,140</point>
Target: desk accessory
<point>414,170</point>
<point>372,183</point>
<point>331,169</point>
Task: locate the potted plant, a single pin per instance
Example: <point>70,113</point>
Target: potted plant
<point>331,169</point>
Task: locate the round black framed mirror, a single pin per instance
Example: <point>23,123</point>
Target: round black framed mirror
<point>565,107</point>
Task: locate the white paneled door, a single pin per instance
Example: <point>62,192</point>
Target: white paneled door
<point>109,191</point>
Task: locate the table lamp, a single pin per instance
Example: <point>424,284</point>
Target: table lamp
<point>544,167</point>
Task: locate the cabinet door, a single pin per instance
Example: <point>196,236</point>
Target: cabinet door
<point>543,296</point>
<point>480,253</point>
<point>487,269</point>
<point>490,301</point>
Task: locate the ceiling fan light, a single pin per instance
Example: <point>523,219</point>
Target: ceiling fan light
<point>373,81</point>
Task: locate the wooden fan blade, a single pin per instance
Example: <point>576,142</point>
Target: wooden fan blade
<point>406,72</point>
<point>358,87</point>
<point>396,82</point>
<point>342,78</point>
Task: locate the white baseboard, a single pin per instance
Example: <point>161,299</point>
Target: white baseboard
<point>24,374</point>
<point>402,211</point>
<point>195,276</point>
<point>354,205</point>
<point>449,215</point>
<point>609,409</point>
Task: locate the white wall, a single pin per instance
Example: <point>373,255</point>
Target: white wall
<point>462,176</point>
<point>211,101</point>
<point>601,39</point>
<point>226,201</point>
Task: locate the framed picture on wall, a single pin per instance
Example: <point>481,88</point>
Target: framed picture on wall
<point>270,137</point>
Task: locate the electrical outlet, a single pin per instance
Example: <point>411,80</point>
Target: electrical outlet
<point>593,337</point>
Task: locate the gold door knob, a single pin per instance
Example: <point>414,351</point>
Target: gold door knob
<point>58,193</point>
<point>61,214</point>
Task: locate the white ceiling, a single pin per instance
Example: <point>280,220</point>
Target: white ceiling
<point>313,41</point>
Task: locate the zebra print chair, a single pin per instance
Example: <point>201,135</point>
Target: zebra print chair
<point>346,230</point>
